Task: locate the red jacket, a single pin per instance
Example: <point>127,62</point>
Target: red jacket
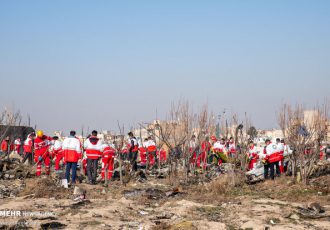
<point>4,146</point>
<point>162,155</point>
<point>143,155</point>
<point>206,146</point>
<point>41,146</point>
<point>108,152</point>
<point>27,147</point>
<point>71,148</point>
<point>93,147</point>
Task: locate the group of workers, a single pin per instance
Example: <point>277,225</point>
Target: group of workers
<point>87,153</point>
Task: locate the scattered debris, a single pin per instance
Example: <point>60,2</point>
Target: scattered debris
<point>313,211</point>
<point>52,225</point>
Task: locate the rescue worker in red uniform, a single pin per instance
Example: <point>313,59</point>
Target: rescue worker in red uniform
<point>272,156</point>
<point>205,150</point>
<point>41,152</point>
<point>151,152</point>
<point>17,144</point>
<point>322,150</point>
<point>252,155</point>
<point>133,151</point>
<point>193,151</point>
<point>57,152</point>
<point>143,153</point>
<point>93,147</point>
<point>162,156</point>
<point>28,148</point>
<point>72,154</point>
<point>108,160</point>
<point>5,146</point>
<point>231,147</point>
<point>280,164</point>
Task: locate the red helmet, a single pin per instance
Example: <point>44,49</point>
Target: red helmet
<point>213,138</point>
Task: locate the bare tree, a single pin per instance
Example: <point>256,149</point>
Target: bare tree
<point>304,131</point>
<point>9,118</point>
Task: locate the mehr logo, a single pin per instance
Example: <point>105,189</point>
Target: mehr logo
<point>8,213</point>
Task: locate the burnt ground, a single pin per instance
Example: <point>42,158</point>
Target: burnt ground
<point>223,203</point>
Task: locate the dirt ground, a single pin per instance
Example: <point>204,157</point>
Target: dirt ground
<point>157,204</point>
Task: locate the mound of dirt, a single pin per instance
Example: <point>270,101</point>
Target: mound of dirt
<point>322,184</point>
<point>45,188</point>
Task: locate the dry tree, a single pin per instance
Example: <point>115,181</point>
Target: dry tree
<point>304,131</point>
<point>9,118</point>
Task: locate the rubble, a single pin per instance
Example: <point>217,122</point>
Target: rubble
<point>320,169</point>
<point>52,225</point>
<point>11,190</point>
<point>313,211</point>
<point>11,169</point>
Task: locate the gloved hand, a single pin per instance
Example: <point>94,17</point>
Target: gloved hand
<point>40,159</point>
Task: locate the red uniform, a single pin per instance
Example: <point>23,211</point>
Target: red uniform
<point>273,153</point>
<point>93,147</point>
<point>28,144</point>
<point>232,149</point>
<point>4,146</point>
<point>206,147</point>
<point>152,159</point>
<point>152,152</point>
<point>70,150</point>
<point>125,152</point>
<point>280,149</point>
<point>322,155</point>
<point>84,165</point>
<point>162,155</point>
<point>108,160</point>
<point>17,144</point>
<point>253,156</point>
<point>143,155</point>
<point>192,152</point>
<point>41,153</point>
<point>58,153</point>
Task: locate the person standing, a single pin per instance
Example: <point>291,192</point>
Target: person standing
<point>72,154</point>
<point>151,152</point>
<point>5,146</point>
<point>133,150</point>
<point>41,148</point>
<point>280,163</point>
<point>205,150</point>
<point>93,148</point>
<point>192,148</point>
<point>18,144</point>
<point>253,155</point>
<point>28,148</point>
<point>231,147</point>
<point>57,152</point>
<point>143,153</point>
<point>271,158</point>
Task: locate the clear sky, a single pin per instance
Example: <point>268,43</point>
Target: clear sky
<point>91,63</point>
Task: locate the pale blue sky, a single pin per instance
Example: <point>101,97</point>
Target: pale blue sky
<point>69,63</point>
